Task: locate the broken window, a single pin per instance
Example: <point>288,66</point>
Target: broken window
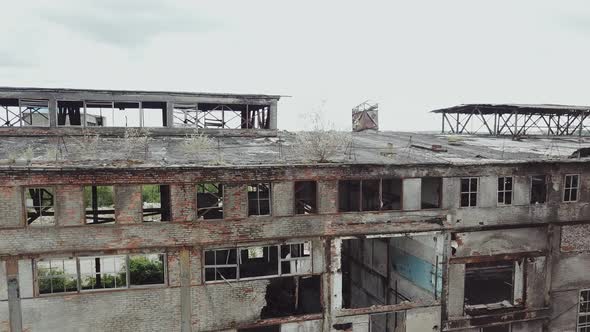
<point>100,204</point>
<point>296,258</point>
<point>497,328</point>
<point>10,113</point>
<point>252,262</point>
<point>538,189</point>
<point>259,199</point>
<point>210,201</point>
<point>505,190</point>
<point>305,197</point>
<point>156,202</point>
<point>369,195</point>
<point>153,114</point>
<point>493,285</point>
<point>69,113</point>
<point>221,264</point>
<point>57,276</point>
<point>39,204</point>
<point>572,184</point>
<point>146,269</point>
<point>468,192</point>
<point>292,296</point>
<point>430,193</point>
<point>259,262</point>
<point>584,311</point>
<point>103,272</point>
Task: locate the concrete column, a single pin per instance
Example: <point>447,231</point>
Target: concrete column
<point>52,112</point>
<point>456,290</point>
<point>69,205</point>
<point>235,199</point>
<point>450,196</point>
<point>170,114</point>
<point>488,191</point>
<point>14,308</point>
<point>283,198</point>
<point>183,201</point>
<point>128,204</point>
<point>328,196</point>
<point>521,190</point>
<point>273,115</point>
<point>411,194</point>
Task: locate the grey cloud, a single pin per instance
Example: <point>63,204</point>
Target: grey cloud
<point>126,23</point>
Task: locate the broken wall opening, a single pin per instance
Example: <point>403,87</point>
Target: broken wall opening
<point>210,201</point>
<point>390,270</point>
<point>538,189</point>
<point>292,296</point>
<point>388,322</point>
<point>369,195</point>
<point>431,193</point>
<point>40,206</point>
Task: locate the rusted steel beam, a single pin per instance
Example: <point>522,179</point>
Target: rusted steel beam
<point>385,308</point>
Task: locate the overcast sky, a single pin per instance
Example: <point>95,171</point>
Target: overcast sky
<point>409,56</point>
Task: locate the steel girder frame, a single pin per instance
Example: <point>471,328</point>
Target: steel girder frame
<point>515,123</point>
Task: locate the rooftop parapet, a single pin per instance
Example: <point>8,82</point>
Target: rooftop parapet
<point>43,111</point>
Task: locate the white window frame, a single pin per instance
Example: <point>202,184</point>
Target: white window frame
<point>102,272</point>
<point>53,191</point>
<point>469,192</point>
<point>51,277</point>
<point>79,274</point>
<point>297,260</point>
<point>568,190</point>
<point>585,326</point>
<point>504,191</point>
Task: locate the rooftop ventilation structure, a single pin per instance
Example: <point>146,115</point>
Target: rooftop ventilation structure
<point>365,116</point>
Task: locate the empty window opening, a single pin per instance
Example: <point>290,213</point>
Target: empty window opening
<point>70,113</point>
<point>127,114</point>
<point>584,311</point>
<point>493,285</point>
<point>153,114</point>
<point>24,112</point>
<point>57,276</point>
<point>497,328</point>
<point>570,191</point>
<point>155,202</point>
<point>34,112</point>
<point>259,199</point>
<point>369,195</point>
<point>100,204</point>
<point>431,193</point>
<point>384,271</point>
<point>99,114</point>
<point>538,189</point>
<point>252,262</point>
<point>391,194</point>
<point>305,197</point>
<point>468,192</point>
<point>146,269</point>
<point>210,201</point>
<point>292,296</point>
<point>103,272</point>
<point>505,190</point>
<point>39,204</point>
<point>222,116</point>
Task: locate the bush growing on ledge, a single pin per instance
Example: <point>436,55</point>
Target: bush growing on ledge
<point>322,142</point>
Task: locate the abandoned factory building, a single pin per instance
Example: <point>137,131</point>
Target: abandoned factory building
<point>173,211</point>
